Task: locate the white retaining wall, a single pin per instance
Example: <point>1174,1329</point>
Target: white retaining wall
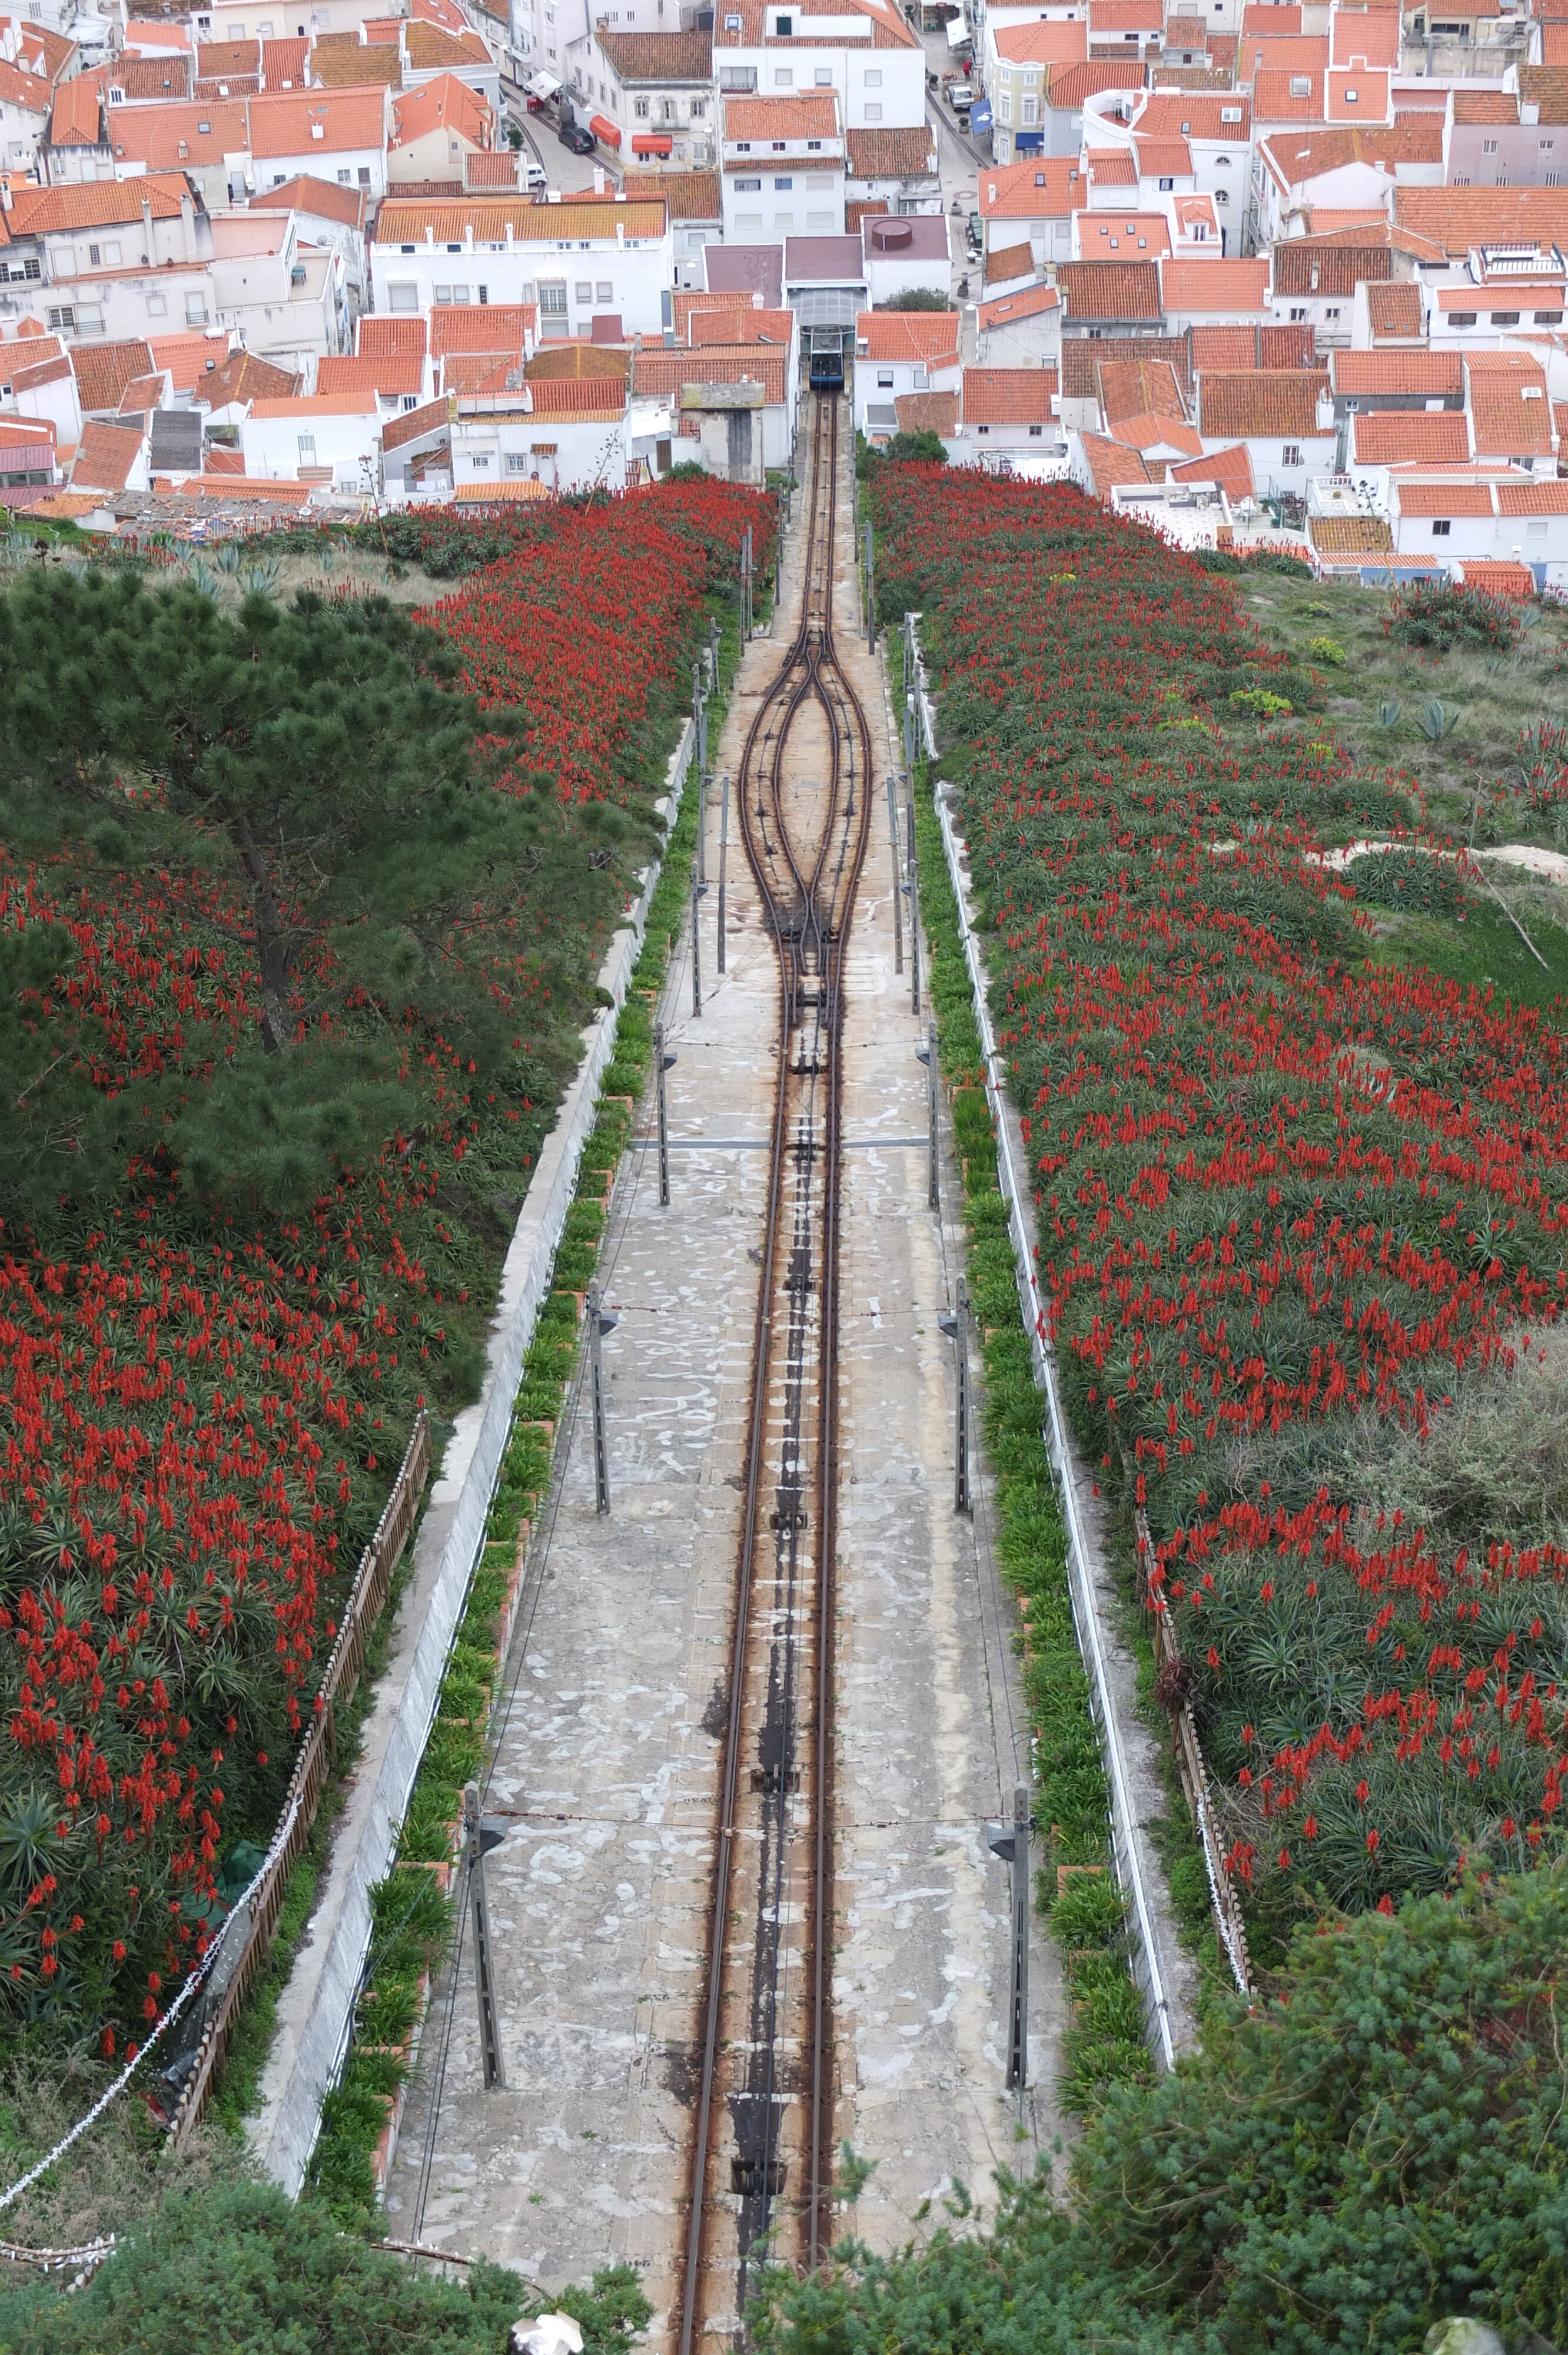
<point>316,2009</point>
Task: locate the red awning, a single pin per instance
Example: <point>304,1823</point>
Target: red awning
<point>652,142</point>
<point>604,130</point>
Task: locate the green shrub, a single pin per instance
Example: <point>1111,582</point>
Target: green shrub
<point>1327,651</point>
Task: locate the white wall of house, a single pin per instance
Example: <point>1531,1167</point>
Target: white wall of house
<point>361,169</point>
<point>587,452</point>
<point>56,401</point>
<point>879,383</point>
<point>292,434</point>
<point>585,278</point>
<point>1280,465</point>
<point>99,305</point>
<point>876,87</point>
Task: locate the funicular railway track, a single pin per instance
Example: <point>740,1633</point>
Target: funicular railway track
<point>761,2151</point>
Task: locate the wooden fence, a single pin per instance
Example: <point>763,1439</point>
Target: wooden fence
<point>1171,1686</point>
<point>366,1601</point>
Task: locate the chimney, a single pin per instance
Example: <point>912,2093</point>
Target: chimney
<point>146,225</point>
<point>599,179</point>
<point>4,195</point>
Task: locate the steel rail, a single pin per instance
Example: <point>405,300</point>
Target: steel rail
<point>806,904</point>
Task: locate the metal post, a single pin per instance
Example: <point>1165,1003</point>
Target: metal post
<point>897,879</point>
<point>662,1063</point>
<point>697,952</point>
<point>915,922</point>
<point>870,594</point>
<point>702,829</point>
<point>481,1836</point>
<point>714,647</point>
<point>724,858</point>
<point>955,1323</point>
<point>909,735</point>
<point>1011,1843</point>
<point>700,710</point>
<point>599,1325</point>
<point>933,1089</point>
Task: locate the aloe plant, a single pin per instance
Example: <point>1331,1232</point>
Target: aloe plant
<point>1388,713</point>
<point>1438,721</point>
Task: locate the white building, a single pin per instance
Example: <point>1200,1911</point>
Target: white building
<point>578,261</point>
<point>863,49</point>
<point>782,167</point>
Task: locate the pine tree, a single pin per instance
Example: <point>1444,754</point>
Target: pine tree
<point>309,776</point>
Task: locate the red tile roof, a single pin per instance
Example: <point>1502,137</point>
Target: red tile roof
<point>891,155</point>
<point>1137,388</point>
<point>1042,188</point>
<point>1389,437</point>
<point>1006,262</point>
<point>103,371</point>
<point>1459,218</point>
<point>1277,101</point>
<point>659,56</point>
<point>1226,350</point>
<point>96,204</point>
<point>1233,467</point>
<point>1101,234</point>
<point>105,456</point>
<point>283,124</point>
<point>388,374</point>
<point>380,336</point>
<point>906,334</point>
<point>1279,403</point>
<point>76,118</point>
<point>477,327</point>
<point>926,412</point>
<point>1189,114</point>
<point>1214,285</point>
<point>1422,499</point>
<point>1420,375</point>
<point>164,138</point>
<point>1070,87</point>
<point>1008,395</point>
<point>340,62</point>
<point>1299,156</point>
<point>1029,302</point>
<point>813,116</point>
<point>1532,498</point>
<point>691,195</point>
<point>1110,167</point>
<point>744,322</point>
<point>1111,466</point>
<point>1510,414</point>
<point>1393,309</point>
<point>1110,289</point>
<point>1146,433</point>
<point>306,194</point>
<point>442,103</point>
<point>659,374</point>
<point>1047,44</point>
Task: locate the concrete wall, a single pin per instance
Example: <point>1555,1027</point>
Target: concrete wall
<point>315,2010</point>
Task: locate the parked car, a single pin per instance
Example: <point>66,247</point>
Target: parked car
<point>960,96</point>
<point>534,175</point>
<point>580,140</point>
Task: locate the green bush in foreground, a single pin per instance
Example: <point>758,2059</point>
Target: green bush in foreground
<point>241,2270</point>
<point>1385,2145</point>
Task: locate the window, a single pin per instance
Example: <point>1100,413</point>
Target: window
<point>307,446</point>
<point>1535,532</point>
<point>1332,311</point>
<point>1229,114</point>
<point>1003,107</point>
<point>819,180</point>
<point>480,463</point>
<point>982,429</point>
<point>873,81</point>
<point>1351,100</point>
<point>1031,110</point>
<point>441,294</point>
<point>748,187</point>
<point>779,145</point>
<point>1461,318</point>
<point>1300,85</point>
<point>785,28</point>
<point>1298,314</point>
<point>585,290</point>
<point>402,295</point>
<point>1166,185</point>
<point>344,179</point>
<point>699,110</point>
<point>743,146</point>
<point>1290,453</point>
<point>1488,147</point>
<point>885,379</point>
<point>1221,195</point>
<point>1547,145</point>
<point>156,306</point>
<point>814,146</point>
<point>786,180</point>
<point>1505,318</point>
<point>552,298</point>
<point>1548,318</point>
<point>784,224</point>
<point>204,128</point>
<point>603,291</point>
<point>873,113</point>
<point>641,110</point>
<point>195,310</point>
<point>824,78</point>
<point>783,77</point>
<point>1441,527</point>
<point>364,176</point>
